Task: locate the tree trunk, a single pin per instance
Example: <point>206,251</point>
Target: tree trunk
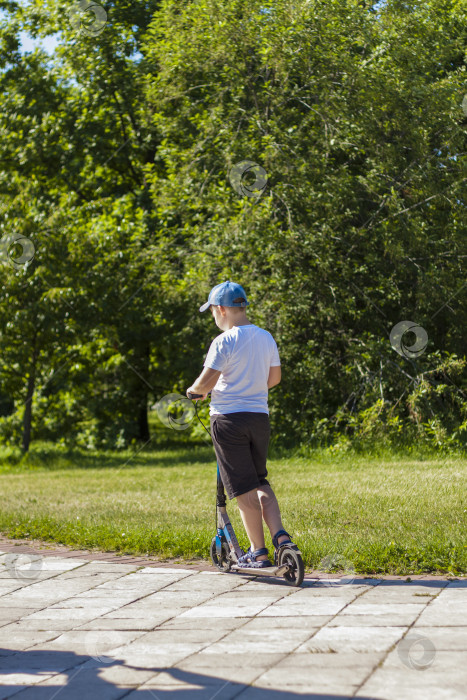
<point>143,424</point>
<point>27,418</point>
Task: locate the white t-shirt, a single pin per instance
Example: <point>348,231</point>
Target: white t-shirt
<point>244,355</point>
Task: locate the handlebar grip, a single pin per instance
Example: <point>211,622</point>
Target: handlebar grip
<point>194,396</point>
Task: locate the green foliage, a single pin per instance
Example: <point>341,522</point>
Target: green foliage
<point>115,163</point>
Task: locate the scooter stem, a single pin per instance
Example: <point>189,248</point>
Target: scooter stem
<point>223,520</point>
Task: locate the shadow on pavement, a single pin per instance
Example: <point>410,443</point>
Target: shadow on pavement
<point>384,583</point>
<point>88,684</point>
<point>342,582</point>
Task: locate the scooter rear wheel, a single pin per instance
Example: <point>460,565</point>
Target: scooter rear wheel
<point>224,562</point>
<point>296,571</point>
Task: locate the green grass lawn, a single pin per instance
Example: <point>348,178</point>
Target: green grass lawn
<point>391,514</point>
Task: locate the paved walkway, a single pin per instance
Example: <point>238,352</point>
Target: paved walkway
<point>81,626</point>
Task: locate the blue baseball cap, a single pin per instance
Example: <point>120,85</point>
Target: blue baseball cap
<point>224,294</point>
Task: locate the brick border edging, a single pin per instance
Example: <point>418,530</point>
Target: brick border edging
<point>53,549</point>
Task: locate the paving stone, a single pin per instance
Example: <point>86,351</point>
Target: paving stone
<point>244,640</point>
<point>203,623</point>
<point>235,595</point>
<point>291,623</point>
<point>321,660</point>
<point>242,596</point>
<point>25,579</point>
<point>76,685</point>
<point>139,610</point>
<point>422,659</point>
<point>159,571</point>
<point>357,639</point>
<point>199,582</point>
<point>382,600</point>
<point>457,597</point>
<point>14,683</point>
<point>222,611</point>
<point>319,681</point>
<point>40,661</point>
<point>166,643</point>
<point>54,590</point>
<point>391,684</point>
<point>42,624</point>
<point>148,659</point>
<point>51,563</point>
<point>300,595</point>
<point>149,578</point>
<point>322,673</point>
<point>454,585</point>
<point>238,602</point>
<point>215,669</point>
<point>153,689</point>
<point>101,567</point>
<point>356,581</point>
<point>7,652</point>
<point>168,597</point>
<point>362,608</point>
<point>108,601</point>
<point>445,638</point>
<point>180,677</point>
<point>414,594</point>
<point>139,592</point>
<point>36,602</point>
<point>127,623</point>
<point>408,586</point>
<point>440,616</point>
<point>316,606</point>
<point>20,640</point>
<point>161,640</point>
<point>289,692</point>
<point>207,659</point>
<point>7,584</point>
<point>90,581</point>
<point>379,620</point>
<point>78,614</point>
<point>9,613</point>
<point>122,597</point>
<point>114,671</point>
<point>76,603</point>
<point>258,583</point>
<point>94,643</point>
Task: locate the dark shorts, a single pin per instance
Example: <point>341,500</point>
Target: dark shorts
<point>241,444</point>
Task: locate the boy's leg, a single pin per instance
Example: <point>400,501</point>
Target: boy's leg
<point>270,511</point>
<point>250,510</point>
<point>260,433</point>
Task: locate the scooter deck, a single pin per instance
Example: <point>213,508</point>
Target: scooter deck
<point>267,571</point>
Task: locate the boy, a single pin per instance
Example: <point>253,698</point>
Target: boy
<point>241,365</point>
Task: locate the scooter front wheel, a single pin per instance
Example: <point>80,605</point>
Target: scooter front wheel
<point>224,562</point>
<point>294,561</point>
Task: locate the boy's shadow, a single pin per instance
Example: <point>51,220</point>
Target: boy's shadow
<point>84,681</point>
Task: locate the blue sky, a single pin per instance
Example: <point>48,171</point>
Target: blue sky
<point>28,44</point>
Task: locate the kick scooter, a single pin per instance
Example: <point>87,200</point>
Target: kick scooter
<point>225,550</point>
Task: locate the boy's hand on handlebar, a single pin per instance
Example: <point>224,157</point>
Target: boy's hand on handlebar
<point>192,394</point>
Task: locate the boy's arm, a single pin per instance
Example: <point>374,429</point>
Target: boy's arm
<point>274,376</point>
<point>206,381</point>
